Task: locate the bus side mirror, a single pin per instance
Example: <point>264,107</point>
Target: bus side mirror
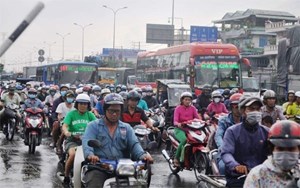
<point>250,73</point>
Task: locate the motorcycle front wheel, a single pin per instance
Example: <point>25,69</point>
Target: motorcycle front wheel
<point>201,164</point>
<point>32,144</point>
<point>174,169</point>
<point>10,130</point>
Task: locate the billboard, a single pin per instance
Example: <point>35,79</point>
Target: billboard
<point>124,53</point>
<point>203,34</point>
<point>160,34</point>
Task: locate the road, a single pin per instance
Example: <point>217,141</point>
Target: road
<point>20,169</point>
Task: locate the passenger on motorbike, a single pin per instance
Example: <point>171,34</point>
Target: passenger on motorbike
<point>225,122</point>
<point>203,99</point>
<point>244,144</point>
<point>185,111</point>
<point>62,110</point>
<point>216,106</point>
<point>294,109</point>
<point>75,124</point>
<point>117,140</point>
<point>63,90</point>
<point>270,108</point>
<point>98,110</point>
<point>281,168</point>
<point>50,98</point>
<point>42,94</point>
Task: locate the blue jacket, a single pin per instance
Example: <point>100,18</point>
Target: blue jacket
<point>33,103</point>
<point>99,107</point>
<point>224,123</point>
<point>242,146</point>
<point>124,144</point>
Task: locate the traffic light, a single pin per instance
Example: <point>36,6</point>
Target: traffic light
<point>41,57</point>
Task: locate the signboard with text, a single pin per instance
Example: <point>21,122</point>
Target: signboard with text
<point>203,34</point>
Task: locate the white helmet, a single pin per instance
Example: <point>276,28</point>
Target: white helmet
<point>186,94</point>
<point>216,93</point>
<point>105,91</point>
<point>83,98</point>
<point>297,94</point>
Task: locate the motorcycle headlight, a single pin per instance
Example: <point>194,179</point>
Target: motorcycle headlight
<point>34,122</point>
<point>125,168</point>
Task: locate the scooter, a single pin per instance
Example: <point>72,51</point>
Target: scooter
<point>142,134</point>
<point>10,115</point>
<point>127,173</point>
<point>195,150</point>
<point>33,128</point>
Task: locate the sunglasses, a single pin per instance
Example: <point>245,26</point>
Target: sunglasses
<point>112,111</point>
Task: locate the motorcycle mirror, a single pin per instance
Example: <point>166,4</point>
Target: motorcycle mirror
<point>94,143</point>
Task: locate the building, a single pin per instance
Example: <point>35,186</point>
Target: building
<point>254,33</point>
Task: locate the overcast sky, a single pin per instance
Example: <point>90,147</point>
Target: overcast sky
<point>58,16</point>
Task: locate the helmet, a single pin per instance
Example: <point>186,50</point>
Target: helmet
<point>123,88</point>
<point>118,88</point>
<point>32,90</point>
<point>105,91</point>
<point>186,94</point>
<point>73,87</point>
<point>149,89</point>
<point>137,89</point>
<point>285,133</point>
<point>84,98</point>
<point>79,90</point>
<point>206,87</point>
<point>234,90</point>
<point>63,86</point>
<point>226,92</point>
<point>19,87</point>
<point>123,94</point>
<point>143,88</point>
<point>297,94</point>
<point>113,98</point>
<point>86,88</point>
<point>96,88</point>
<point>269,94</point>
<point>291,92</point>
<point>235,98</point>
<point>133,95</point>
<point>216,93</point>
<point>247,101</point>
<point>70,93</point>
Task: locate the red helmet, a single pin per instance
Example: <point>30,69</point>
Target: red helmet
<point>235,98</point>
<point>285,133</point>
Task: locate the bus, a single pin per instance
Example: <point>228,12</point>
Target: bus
<point>67,72</point>
<point>198,64</point>
<point>109,75</point>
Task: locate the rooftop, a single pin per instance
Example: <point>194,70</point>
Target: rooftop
<point>266,14</point>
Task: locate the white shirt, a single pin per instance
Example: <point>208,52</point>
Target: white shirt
<point>63,109</point>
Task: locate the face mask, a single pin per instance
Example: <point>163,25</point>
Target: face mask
<point>63,93</point>
<point>31,96</point>
<point>52,93</point>
<point>217,100</point>
<point>285,160</point>
<point>253,117</point>
<point>70,100</point>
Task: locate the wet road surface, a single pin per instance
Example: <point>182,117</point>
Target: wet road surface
<point>20,169</point>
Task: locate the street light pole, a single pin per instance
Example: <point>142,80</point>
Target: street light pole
<point>49,47</point>
<point>82,41</point>
<point>63,43</point>
<point>114,28</point>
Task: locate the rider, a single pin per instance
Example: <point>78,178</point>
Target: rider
<point>116,137</point>
<point>244,144</point>
<point>294,109</point>
<point>43,94</point>
<point>98,110</point>
<point>280,168</point>
<point>51,97</point>
<point>141,103</point>
<point>291,99</point>
<point>216,106</point>
<point>149,98</point>
<point>96,90</point>
<point>11,97</point>
<point>203,99</point>
<point>185,111</point>
<point>232,118</point>
<point>133,114</point>
<point>226,96</point>
<point>75,123</point>
<point>270,108</point>
<point>33,101</point>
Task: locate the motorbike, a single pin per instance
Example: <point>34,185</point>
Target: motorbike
<point>127,173</point>
<point>48,123</point>
<point>195,150</point>
<point>158,119</point>
<point>10,114</point>
<point>33,128</point>
<point>142,134</point>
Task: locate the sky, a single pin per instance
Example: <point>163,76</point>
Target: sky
<point>58,16</point>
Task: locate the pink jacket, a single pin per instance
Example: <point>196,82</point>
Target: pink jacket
<point>183,113</point>
<point>217,108</point>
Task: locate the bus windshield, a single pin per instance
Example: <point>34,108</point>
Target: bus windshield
<point>222,71</point>
<point>76,74</point>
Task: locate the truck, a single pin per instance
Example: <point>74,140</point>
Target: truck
<point>29,72</point>
<point>288,68</point>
